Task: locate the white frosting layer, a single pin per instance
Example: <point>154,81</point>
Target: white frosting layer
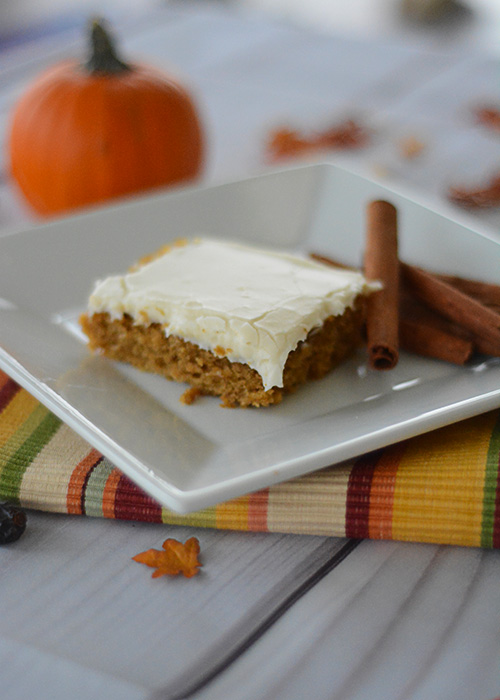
<point>251,305</point>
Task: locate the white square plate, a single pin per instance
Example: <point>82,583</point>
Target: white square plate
<point>190,457</point>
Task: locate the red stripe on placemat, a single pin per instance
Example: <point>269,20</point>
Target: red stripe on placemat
<point>75,497</point>
<point>8,389</point>
<point>133,504</point>
<point>357,514</point>
<point>257,511</point>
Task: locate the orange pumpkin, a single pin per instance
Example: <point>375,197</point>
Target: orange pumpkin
<point>87,133</point>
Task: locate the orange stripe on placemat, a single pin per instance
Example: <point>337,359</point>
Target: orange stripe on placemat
<point>78,479</point>
<point>257,511</point>
<point>382,492</point>
<point>357,507</point>
<point>109,493</point>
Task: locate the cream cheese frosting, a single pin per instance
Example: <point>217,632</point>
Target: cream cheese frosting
<point>250,305</point>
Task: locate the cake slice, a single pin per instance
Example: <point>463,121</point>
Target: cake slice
<point>245,324</point>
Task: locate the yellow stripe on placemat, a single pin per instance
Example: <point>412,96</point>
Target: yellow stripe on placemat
<point>233,514</point>
<point>201,518</point>
<point>440,483</point>
<point>14,416</point>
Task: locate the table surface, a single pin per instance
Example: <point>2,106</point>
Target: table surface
<point>270,616</point>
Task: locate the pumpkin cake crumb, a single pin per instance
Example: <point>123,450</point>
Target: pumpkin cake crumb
<point>191,395</point>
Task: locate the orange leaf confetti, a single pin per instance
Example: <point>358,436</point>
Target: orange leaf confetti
<point>489,117</point>
<point>477,198</point>
<point>287,143</point>
<point>411,147</point>
<point>175,558</point>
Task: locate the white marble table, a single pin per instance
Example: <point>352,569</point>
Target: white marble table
<point>271,616</point>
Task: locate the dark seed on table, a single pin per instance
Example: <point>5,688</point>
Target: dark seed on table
<point>12,523</point>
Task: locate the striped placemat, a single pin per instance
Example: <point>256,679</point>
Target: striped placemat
<point>441,487</point>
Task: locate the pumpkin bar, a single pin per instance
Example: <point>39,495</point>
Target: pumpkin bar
<point>246,324</point>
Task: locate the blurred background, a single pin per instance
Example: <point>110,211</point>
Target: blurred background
<point>448,24</point>
<point>421,77</point>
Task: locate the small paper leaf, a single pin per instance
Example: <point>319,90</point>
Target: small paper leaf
<point>176,558</point>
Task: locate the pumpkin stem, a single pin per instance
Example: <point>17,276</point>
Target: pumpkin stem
<point>103,57</point>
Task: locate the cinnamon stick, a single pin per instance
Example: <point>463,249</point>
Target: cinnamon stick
<point>428,341</point>
<point>485,292</point>
<point>424,332</point>
<point>381,263</point>
<point>486,347</point>
<point>481,321</point>
<point>414,310</point>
